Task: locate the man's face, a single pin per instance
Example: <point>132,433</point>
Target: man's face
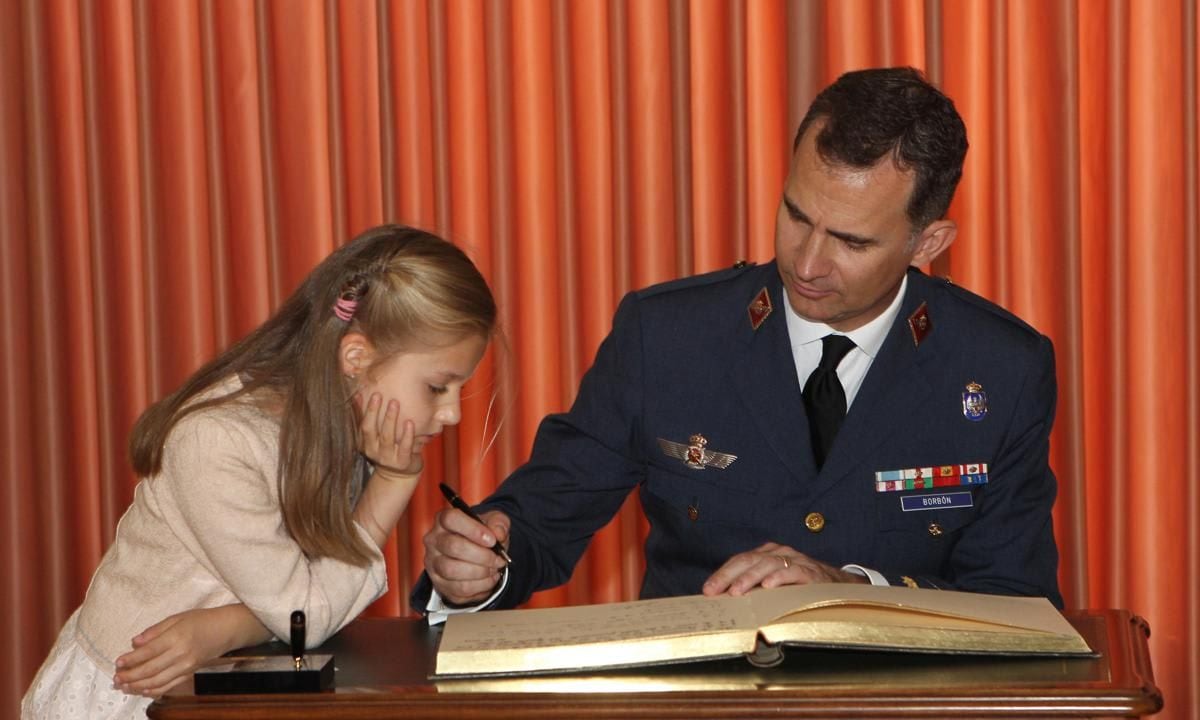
<point>843,240</point>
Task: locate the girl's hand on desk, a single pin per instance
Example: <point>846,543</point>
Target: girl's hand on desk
<point>167,652</point>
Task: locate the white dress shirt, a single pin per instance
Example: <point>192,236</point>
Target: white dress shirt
<point>806,337</point>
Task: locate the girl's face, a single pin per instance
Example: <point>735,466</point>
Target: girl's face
<point>426,383</point>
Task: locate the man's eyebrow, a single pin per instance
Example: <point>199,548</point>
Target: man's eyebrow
<point>852,238</point>
<point>798,214</point>
<point>795,211</point>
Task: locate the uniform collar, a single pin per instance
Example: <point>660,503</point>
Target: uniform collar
<point>869,338</point>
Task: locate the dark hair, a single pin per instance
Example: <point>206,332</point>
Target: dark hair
<point>871,113</point>
<point>411,289</point>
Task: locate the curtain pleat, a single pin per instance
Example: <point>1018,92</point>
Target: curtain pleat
<point>357,73</point>
<point>582,53</point>
<point>27,604</point>
<point>767,135</point>
<point>1190,658</point>
<point>298,91</point>
<point>58,304</point>
<point>1100,128</point>
<point>179,269</point>
<point>650,184</point>
<point>409,114</point>
<point>170,171</point>
<point>718,178</point>
<point>536,318</point>
<point>114,196</point>
<point>1155,278</point>
<point>237,176</point>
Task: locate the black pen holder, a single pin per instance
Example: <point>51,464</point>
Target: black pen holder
<point>265,674</point>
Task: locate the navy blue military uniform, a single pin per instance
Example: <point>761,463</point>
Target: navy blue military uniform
<point>958,383</point>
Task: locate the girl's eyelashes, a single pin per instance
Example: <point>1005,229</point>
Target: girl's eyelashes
<point>438,389</point>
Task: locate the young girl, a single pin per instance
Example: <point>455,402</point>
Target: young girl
<point>272,477</point>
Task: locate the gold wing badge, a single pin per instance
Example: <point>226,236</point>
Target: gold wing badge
<point>695,454</point>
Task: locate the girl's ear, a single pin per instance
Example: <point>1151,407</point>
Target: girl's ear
<point>354,354</point>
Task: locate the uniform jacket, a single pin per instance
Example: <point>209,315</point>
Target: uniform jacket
<point>684,358</point>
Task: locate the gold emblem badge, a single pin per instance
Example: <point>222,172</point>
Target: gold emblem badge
<point>696,454</point>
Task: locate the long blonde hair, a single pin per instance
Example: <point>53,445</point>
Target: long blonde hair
<point>409,287</point>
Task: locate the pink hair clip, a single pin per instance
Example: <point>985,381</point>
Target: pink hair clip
<point>344,308</point>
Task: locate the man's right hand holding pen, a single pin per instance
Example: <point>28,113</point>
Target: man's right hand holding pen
<point>459,558</point>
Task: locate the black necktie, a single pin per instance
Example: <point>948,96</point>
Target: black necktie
<point>824,398</point>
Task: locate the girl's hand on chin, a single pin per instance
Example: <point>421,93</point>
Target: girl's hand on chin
<point>387,442</point>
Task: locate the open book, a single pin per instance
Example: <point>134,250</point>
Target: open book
<point>757,625</point>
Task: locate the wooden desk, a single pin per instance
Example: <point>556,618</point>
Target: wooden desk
<point>383,667</point>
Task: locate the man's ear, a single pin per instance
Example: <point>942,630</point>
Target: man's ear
<point>354,354</point>
<point>933,241</point>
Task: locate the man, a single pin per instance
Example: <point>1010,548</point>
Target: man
<point>720,398</point>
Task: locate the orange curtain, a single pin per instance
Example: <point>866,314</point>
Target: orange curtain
<point>170,170</point>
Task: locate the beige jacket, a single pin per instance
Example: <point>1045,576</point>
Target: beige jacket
<point>207,531</point>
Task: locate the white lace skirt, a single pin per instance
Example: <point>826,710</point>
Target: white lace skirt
<point>70,686</point>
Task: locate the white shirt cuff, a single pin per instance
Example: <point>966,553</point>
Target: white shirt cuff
<point>874,577</point>
<point>436,610</point>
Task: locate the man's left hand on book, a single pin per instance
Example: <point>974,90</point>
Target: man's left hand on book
<point>772,565</point>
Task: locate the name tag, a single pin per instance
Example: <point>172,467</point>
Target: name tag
<point>936,501</point>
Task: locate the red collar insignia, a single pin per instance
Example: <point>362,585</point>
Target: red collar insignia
<point>920,324</point>
<point>759,308</point>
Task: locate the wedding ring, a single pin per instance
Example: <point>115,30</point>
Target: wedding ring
<point>786,564</point>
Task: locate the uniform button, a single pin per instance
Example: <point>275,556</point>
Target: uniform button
<point>935,529</point>
<point>693,512</point>
<point>814,521</point>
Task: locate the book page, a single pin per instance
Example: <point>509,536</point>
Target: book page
<point>1006,613</point>
<point>605,623</point>
<point>693,627</point>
